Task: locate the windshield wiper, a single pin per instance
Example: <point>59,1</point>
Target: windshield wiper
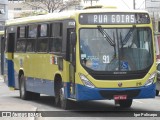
<point>127,37</point>
<point>108,38</point>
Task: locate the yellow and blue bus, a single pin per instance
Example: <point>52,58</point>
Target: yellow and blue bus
<point>90,54</point>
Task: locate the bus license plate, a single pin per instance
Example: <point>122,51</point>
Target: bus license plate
<point>120,97</point>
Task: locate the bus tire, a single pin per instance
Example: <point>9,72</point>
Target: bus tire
<point>65,103</point>
<point>23,93</point>
<point>35,96</point>
<point>57,88</point>
<point>125,103</point>
<point>157,92</point>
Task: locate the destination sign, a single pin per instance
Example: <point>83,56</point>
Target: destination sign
<point>113,18</point>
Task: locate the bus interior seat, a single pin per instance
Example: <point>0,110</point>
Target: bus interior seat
<point>136,56</point>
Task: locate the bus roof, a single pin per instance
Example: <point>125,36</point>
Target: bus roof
<point>64,15</point>
<point>1,32</point>
<point>39,18</point>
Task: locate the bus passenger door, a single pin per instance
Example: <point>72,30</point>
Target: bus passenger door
<point>10,58</point>
<point>72,65</point>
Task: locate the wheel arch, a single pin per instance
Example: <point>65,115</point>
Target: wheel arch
<point>57,81</point>
<point>19,75</point>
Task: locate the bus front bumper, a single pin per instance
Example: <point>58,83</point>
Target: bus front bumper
<point>86,93</point>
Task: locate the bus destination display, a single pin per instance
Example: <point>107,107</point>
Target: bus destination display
<point>113,18</point>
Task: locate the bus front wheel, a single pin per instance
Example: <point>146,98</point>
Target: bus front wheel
<point>60,99</point>
<point>125,103</point>
<point>23,93</point>
<point>157,92</point>
<point>65,103</point>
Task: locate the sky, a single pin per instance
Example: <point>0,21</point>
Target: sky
<point>125,4</point>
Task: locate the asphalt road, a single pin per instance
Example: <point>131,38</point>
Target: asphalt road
<point>104,109</point>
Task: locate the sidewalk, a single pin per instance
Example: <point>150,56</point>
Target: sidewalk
<point>14,110</point>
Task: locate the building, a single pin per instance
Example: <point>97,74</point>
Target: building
<point>17,7</point>
<point>3,13</point>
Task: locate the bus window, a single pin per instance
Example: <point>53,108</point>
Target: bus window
<point>56,29</point>
<point>21,41</point>
<point>20,46</point>
<point>42,45</point>
<point>21,32</point>
<point>32,31</point>
<point>55,44</point>
<point>30,45</point>
<point>43,30</point>
<point>42,42</point>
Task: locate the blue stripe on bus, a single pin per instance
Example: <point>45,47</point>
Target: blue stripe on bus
<point>67,90</point>
<point>44,86</point>
<point>86,93</point>
<point>11,79</point>
<point>82,92</point>
<point>40,86</point>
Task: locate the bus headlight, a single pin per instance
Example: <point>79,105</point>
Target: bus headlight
<point>85,81</point>
<point>151,79</point>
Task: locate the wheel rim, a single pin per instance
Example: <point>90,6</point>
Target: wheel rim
<point>22,86</point>
<point>62,94</point>
<point>62,98</point>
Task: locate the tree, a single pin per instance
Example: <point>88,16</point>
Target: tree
<point>51,6</point>
<point>32,13</point>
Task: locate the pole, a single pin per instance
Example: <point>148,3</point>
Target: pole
<point>91,2</point>
<point>134,4</point>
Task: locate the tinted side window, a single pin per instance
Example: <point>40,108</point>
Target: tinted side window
<point>22,32</point>
<point>43,30</point>
<point>42,45</point>
<point>21,40</point>
<point>42,42</point>
<point>20,46</point>
<point>56,29</point>
<point>55,44</point>
<point>31,37</point>
<point>30,45</point>
<point>32,31</point>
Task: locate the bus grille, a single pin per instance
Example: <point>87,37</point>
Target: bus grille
<point>110,94</point>
<point>118,77</point>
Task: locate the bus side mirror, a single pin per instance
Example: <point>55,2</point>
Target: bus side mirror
<point>73,38</point>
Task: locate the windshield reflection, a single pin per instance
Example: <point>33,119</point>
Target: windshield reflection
<point>127,49</point>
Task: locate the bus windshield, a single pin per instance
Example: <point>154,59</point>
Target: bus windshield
<point>116,49</point>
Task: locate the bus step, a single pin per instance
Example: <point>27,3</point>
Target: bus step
<point>72,99</point>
